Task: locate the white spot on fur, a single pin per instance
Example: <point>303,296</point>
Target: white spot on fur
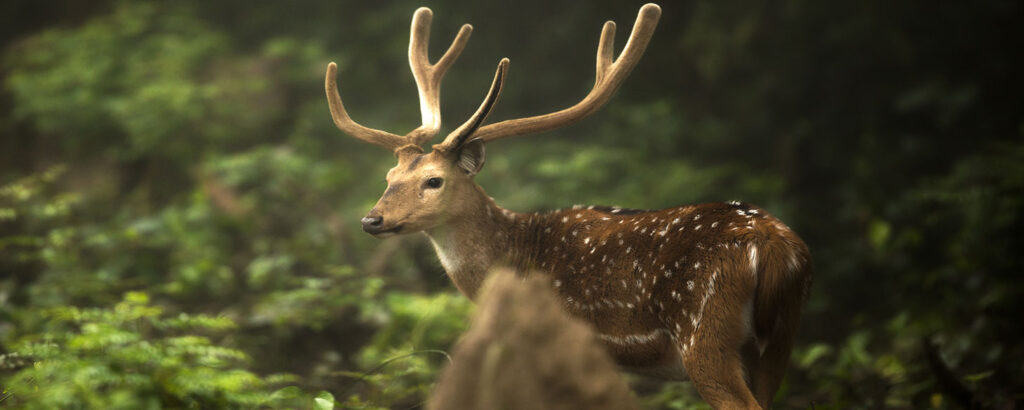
<point>695,320</point>
<point>634,339</point>
<point>753,259</point>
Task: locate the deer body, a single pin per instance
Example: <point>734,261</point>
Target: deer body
<point>709,292</point>
<point>644,279</point>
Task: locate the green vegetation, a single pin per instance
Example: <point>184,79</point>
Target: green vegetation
<point>179,217</point>
<point>122,358</point>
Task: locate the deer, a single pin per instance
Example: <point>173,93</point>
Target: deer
<point>711,293</point>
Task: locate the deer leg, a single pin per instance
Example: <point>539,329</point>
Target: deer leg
<point>769,371</point>
<point>713,359</point>
<point>718,374</point>
<point>771,366</point>
<point>778,323</point>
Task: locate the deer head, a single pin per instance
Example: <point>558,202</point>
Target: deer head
<point>426,190</point>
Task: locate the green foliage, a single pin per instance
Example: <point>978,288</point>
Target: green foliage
<point>157,79</point>
<point>401,381</point>
<point>133,356</point>
<point>406,354</point>
<point>418,322</point>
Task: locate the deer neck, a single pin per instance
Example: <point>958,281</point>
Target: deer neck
<point>480,237</point>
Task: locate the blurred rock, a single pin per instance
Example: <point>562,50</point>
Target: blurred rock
<point>524,352</point>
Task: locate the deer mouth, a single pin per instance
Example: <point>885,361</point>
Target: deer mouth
<point>384,233</point>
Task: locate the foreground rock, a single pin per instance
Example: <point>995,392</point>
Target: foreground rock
<point>524,352</point>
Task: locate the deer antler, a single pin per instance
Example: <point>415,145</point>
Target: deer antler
<point>461,134</point>
<point>428,76</point>
<point>428,81</point>
<point>346,124</point>
<point>610,75</point>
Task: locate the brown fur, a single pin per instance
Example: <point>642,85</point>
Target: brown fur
<point>524,352</point>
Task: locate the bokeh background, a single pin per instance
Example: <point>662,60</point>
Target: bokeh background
<point>179,216</point>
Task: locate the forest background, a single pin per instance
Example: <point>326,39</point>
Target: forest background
<point>179,216</point>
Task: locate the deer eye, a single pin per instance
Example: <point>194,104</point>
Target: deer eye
<point>434,182</point>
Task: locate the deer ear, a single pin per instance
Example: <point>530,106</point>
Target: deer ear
<point>471,156</point>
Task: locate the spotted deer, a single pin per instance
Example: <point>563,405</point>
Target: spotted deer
<point>709,292</point>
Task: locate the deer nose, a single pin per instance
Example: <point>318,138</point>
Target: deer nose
<point>372,223</point>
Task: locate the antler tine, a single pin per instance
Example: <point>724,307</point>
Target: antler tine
<point>428,76</point>
<point>610,75</point>
<point>346,124</point>
<point>605,51</point>
<point>462,134</point>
